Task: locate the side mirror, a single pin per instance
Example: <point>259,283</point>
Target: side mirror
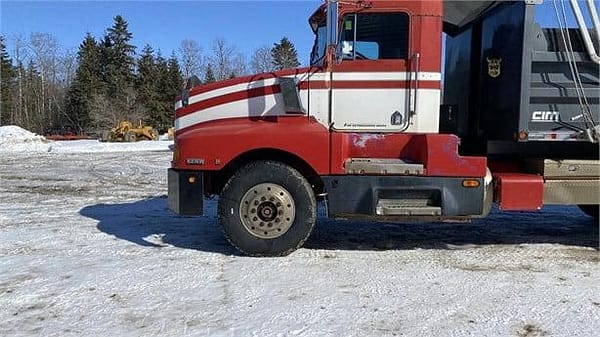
<point>189,84</point>
<point>332,22</point>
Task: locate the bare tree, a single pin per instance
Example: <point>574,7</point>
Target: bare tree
<point>20,114</point>
<point>262,61</point>
<point>226,60</point>
<point>67,68</point>
<point>45,49</point>
<point>190,54</point>
<point>43,73</point>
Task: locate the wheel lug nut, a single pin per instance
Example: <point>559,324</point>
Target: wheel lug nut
<point>255,219</point>
<point>263,198</point>
<point>255,202</point>
<point>270,224</point>
<point>277,220</point>
<point>253,210</point>
<point>261,224</point>
<point>280,213</point>
<point>271,199</point>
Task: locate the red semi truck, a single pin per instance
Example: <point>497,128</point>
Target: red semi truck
<point>374,130</point>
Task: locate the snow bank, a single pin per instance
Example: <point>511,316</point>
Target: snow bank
<point>89,146</point>
<point>15,139</point>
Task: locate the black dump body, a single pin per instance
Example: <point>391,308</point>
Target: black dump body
<point>505,76</point>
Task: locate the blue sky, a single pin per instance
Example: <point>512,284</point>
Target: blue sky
<point>162,24</point>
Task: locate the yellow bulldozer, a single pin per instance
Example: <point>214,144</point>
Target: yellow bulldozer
<point>126,132</point>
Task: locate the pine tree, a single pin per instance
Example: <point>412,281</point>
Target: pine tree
<point>209,77</point>
<point>7,78</point>
<point>86,85</point>
<point>146,71</point>
<point>148,99</point>
<point>158,82</point>
<point>176,80</point>
<point>159,117</point>
<point>121,53</point>
<point>118,65</point>
<point>172,88</point>
<point>284,54</point>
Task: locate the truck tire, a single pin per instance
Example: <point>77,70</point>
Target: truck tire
<point>591,210</point>
<point>267,209</point>
<point>130,136</point>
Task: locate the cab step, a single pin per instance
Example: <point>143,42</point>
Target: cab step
<point>383,166</point>
<point>407,207</point>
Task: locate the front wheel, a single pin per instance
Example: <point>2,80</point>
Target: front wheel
<point>267,209</point>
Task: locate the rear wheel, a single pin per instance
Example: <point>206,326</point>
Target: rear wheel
<point>591,210</point>
<point>130,136</point>
<point>267,209</point>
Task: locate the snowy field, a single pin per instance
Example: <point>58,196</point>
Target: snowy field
<point>88,248</point>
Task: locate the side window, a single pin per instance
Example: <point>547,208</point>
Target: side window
<point>373,36</point>
<point>318,52</point>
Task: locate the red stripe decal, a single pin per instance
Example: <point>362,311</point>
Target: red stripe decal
<point>383,84</point>
<point>247,79</point>
<point>306,85</point>
<point>228,98</point>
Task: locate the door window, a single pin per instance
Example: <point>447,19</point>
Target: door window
<point>374,36</point>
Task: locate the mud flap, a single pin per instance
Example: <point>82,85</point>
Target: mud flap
<point>185,192</point>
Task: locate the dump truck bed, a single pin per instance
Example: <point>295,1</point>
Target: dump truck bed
<point>509,88</point>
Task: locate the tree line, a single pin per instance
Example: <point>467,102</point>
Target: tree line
<point>47,90</point>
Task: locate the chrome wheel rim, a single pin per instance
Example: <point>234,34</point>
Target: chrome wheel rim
<point>267,211</point>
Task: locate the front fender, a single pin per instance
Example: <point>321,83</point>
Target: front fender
<point>212,145</point>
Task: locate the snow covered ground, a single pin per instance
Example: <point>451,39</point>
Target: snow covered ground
<point>14,139</point>
<point>88,248</point>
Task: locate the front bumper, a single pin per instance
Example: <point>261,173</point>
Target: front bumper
<point>185,192</point>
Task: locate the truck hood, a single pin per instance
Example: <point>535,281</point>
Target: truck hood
<point>249,96</point>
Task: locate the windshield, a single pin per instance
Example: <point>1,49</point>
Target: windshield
<point>318,51</point>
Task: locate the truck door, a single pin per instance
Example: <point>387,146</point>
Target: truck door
<point>374,88</point>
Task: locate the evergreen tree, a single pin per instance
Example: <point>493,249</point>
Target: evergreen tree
<point>148,98</point>
<point>171,88</point>
<point>209,77</point>
<point>7,78</point>
<point>86,85</point>
<point>146,71</point>
<point>176,79</point>
<point>160,116</point>
<point>118,65</point>
<point>284,55</point>
<point>120,53</point>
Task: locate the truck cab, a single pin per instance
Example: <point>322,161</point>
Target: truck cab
<point>364,128</point>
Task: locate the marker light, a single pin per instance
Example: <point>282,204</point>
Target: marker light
<point>470,183</point>
<point>523,135</point>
